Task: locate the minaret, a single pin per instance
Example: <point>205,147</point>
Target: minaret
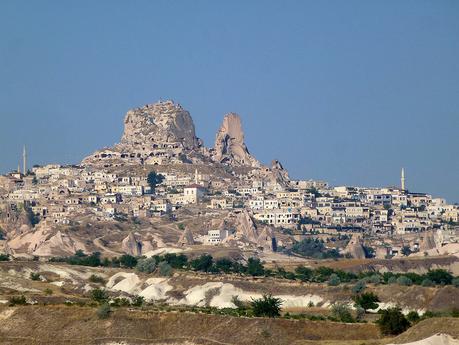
<point>24,161</point>
<point>196,176</point>
<point>402,179</point>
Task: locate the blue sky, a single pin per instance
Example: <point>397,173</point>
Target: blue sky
<point>346,91</point>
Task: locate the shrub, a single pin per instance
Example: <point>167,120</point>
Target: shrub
<point>367,300</point>
<point>334,280</point>
<point>104,311</point>
<point>341,312</point>
<point>392,280</point>
<point>165,270</point>
<point>427,282</point>
<point>4,257</point>
<point>147,265</point>
<point>303,273</point>
<point>99,295</point>
<point>17,300</point>
<point>266,306</point>
<point>405,281</point>
<point>392,321</point>
<point>359,287</point>
<point>203,263</point>
<point>374,279</point>
<point>413,316</point>
<point>440,276</point>
<point>96,279</point>
<point>128,261</point>
<point>455,282</point>
<point>255,267</point>
<point>138,301</point>
<point>35,276</point>
<point>48,291</point>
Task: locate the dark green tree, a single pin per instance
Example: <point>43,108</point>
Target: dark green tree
<point>203,263</point>
<point>255,267</point>
<point>366,300</point>
<point>392,321</point>
<point>154,179</point>
<point>266,306</point>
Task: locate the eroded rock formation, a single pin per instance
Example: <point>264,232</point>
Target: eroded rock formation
<point>229,144</point>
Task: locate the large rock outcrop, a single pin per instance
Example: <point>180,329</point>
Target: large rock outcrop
<point>162,123</point>
<point>355,247</point>
<point>229,144</point>
<point>157,133</point>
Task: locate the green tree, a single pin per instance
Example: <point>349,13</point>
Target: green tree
<point>341,312</point>
<point>255,267</point>
<point>367,300</point>
<point>405,281</point>
<point>147,265</point>
<point>440,276</point>
<point>406,250</point>
<point>304,273</point>
<point>99,295</point>
<point>413,316</point>
<point>128,261</point>
<point>224,265</point>
<point>359,287</point>
<point>392,321</point>
<point>154,179</point>
<point>165,270</point>
<point>334,280</point>
<point>202,263</point>
<point>267,305</point>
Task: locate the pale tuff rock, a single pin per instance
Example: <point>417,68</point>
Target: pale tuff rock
<point>14,221</point>
<point>157,133</point>
<point>355,247</point>
<point>186,239</point>
<point>427,242</point>
<point>130,245</point>
<point>229,144</point>
<point>249,233</point>
<point>279,174</point>
<point>159,123</point>
<point>45,242</point>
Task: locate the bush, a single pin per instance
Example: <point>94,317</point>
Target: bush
<point>304,273</point>
<point>374,279</point>
<point>367,300</point>
<point>203,263</point>
<point>147,265</point>
<point>165,270</point>
<point>440,276</point>
<point>405,281</point>
<point>359,287</point>
<point>334,280</point>
<point>48,291</point>
<point>342,312</point>
<point>99,295</point>
<point>427,282</point>
<point>96,279</point>
<point>255,267</point>
<point>392,321</point>
<point>266,306</point>
<point>138,301</point>
<point>35,276</point>
<point>455,282</point>
<point>4,257</point>
<point>104,311</point>
<point>17,300</point>
<point>392,280</point>
<point>128,261</point>
<point>413,316</point>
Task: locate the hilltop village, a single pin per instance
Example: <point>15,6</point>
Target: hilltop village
<point>160,187</point>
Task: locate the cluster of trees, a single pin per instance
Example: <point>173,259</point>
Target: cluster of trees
<point>315,248</point>
<point>164,264</point>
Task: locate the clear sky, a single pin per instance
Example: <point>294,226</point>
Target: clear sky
<point>345,91</point>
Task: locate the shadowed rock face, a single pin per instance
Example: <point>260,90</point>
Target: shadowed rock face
<point>229,143</point>
<point>159,123</point>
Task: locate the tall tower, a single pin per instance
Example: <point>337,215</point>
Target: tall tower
<point>24,161</point>
<point>402,179</point>
<point>196,176</point>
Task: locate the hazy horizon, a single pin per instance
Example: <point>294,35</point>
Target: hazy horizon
<point>344,92</point>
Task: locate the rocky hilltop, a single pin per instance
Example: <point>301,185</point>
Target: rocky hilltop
<point>164,133</point>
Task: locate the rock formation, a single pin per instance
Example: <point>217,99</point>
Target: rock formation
<point>355,247</point>
<point>186,239</point>
<point>155,133</point>
<point>229,144</point>
<point>130,245</point>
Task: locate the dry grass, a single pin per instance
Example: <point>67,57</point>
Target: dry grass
<point>75,325</point>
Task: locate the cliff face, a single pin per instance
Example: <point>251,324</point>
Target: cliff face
<point>229,143</point>
<point>158,124</point>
